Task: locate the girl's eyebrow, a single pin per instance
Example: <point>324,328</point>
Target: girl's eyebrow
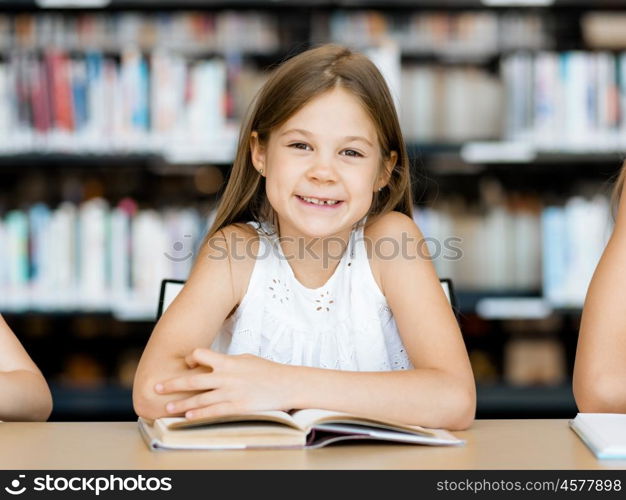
<point>347,138</point>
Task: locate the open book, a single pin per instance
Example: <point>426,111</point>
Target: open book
<point>603,433</point>
<point>277,429</point>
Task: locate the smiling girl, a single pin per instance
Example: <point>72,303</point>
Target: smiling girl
<point>305,294</point>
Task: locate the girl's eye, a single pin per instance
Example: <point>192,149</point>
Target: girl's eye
<point>303,146</point>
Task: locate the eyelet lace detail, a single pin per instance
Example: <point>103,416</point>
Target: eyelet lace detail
<point>280,291</point>
<point>325,302</point>
<point>343,326</point>
<point>400,360</point>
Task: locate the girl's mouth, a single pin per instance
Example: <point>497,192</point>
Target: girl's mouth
<point>319,203</point>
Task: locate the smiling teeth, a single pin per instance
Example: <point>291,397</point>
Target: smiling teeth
<point>319,202</point>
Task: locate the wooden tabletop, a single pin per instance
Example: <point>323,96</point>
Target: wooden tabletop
<point>491,444</point>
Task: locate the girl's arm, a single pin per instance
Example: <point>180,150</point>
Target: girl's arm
<point>600,366</point>
<point>24,393</point>
<point>195,316</point>
<point>439,392</point>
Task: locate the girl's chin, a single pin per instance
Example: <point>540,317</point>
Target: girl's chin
<point>321,228</point>
<point>313,225</point>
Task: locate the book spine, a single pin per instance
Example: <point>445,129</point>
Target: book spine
<point>78,72</point>
<point>5,109</point>
<point>92,264</point>
<point>555,255</point>
<point>38,220</point>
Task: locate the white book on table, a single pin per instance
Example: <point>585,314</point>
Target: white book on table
<point>603,433</point>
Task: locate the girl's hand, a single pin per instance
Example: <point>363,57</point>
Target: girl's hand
<point>233,384</point>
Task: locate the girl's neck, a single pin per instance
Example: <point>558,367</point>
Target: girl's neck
<point>313,260</point>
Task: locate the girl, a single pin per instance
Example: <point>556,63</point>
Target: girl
<point>24,394</point>
<point>294,309</point>
<point>600,367</point>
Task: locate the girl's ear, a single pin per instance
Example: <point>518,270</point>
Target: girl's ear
<point>388,167</point>
<point>257,152</point>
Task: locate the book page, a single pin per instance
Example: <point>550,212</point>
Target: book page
<point>279,417</point>
<point>234,435</point>
<point>324,434</point>
<point>308,418</point>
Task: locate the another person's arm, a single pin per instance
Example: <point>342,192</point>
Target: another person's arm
<point>24,393</point>
<point>600,367</point>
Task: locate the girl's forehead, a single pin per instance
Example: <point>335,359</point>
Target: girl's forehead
<point>336,112</point>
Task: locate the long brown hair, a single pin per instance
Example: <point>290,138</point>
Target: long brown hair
<point>617,189</point>
<point>289,87</point>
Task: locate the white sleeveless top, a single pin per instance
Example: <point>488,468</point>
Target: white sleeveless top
<point>346,324</point>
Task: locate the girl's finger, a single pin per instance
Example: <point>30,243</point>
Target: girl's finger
<point>195,382</point>
<point>195,402</point>
<point>221,409</point>
<point>204,357</point>
<point>192,363</point>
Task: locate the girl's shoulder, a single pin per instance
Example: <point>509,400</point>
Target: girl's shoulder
<point>241,229</point>
<point>388,237</point>
<point>388,225</point>
<point>239,243</point>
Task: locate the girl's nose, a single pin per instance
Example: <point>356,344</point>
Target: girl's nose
<point>323,170</point>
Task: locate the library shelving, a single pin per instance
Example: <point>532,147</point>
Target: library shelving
<point>118,121</point>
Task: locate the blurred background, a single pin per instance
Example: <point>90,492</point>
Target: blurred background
<point>119,121</point>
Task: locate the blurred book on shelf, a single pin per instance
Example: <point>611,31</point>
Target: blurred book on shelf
<point>96,257</point>
<point>572,101</point>
<point>82,370</point>
<point>464,34</point>
<point>93,257</point>
<point>483,366</point>
<point>604,30</point>
<point>126,367</point>
<point>191,32</point>
<point>573,238</point>
<point>518,243</point>
<point>93,103</point>
<point>153,83</point>
<point>443,104</point>
<point>539,362</point>
<point>177,84</point>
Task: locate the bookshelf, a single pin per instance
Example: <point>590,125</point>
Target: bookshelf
<point>91,131</point>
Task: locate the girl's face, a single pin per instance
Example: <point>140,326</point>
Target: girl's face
<point>327,151</point>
